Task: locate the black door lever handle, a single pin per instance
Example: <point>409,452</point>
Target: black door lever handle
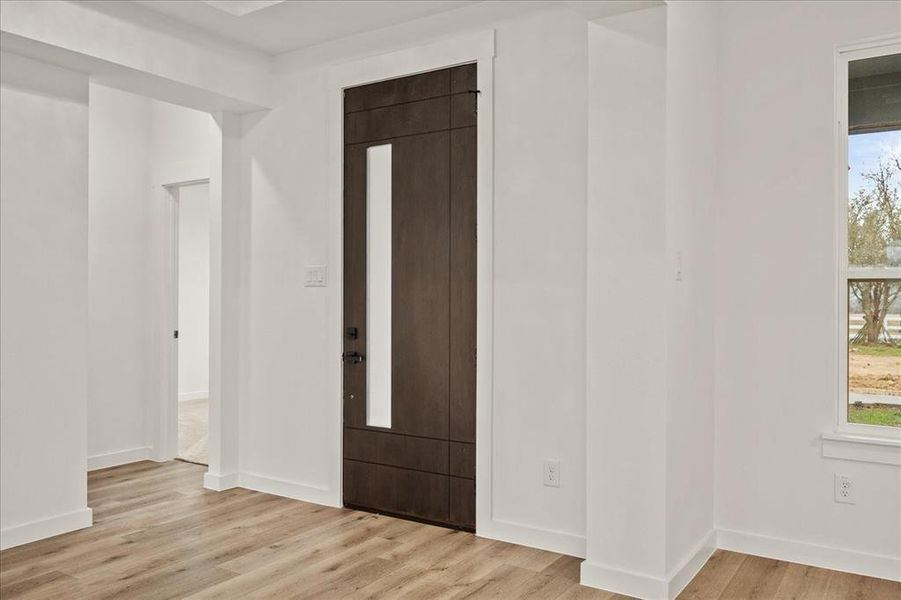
<point>352,357</point>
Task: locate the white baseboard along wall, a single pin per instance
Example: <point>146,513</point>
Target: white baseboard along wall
<point>45,528</point>
<point>120,457</point>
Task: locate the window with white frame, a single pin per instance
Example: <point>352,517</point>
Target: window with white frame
<point>869,87</point>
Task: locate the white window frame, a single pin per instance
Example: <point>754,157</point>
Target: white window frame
<point>857,434</point>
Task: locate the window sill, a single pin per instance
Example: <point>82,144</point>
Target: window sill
<point>864,448</point>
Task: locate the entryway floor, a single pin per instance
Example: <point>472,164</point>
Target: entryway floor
<point>159,534</point>
<point>194,430</point>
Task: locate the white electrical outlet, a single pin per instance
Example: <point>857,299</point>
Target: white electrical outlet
<point>314,276</point>
<point>844,489</point>
<point>552,473</point>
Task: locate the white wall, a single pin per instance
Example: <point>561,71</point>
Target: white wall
<point>180,140</point>
<point>136,144</point>
<point>288,415</point>
<point>286,426</point>
<point>775,289</point>
<point>121,314</point>
<point>539,270</point>
<point>43,300</point>
<point>194,291</point>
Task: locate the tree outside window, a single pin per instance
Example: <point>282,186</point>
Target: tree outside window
<point>874,305</point>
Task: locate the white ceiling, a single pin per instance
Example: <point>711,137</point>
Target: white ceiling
<point>285,26</point>
<point>239,8</point>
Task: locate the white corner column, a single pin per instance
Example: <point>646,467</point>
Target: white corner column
<point>649,413</point>
<point>225,302</point>
<point>626,357</point>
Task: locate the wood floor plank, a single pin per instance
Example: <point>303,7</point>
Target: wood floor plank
<point>848,586</point>
<point>878,589</point>
<point>290,574</point>
<point>158,585</point>
<point>506,581</point>
<point>567,567</point>
<point>446,577</point>
<point>310,545</point>
<point>158,534</point>
<point>478,566</point>
<point>802,582</point>
<point>344,581</point>
<point>756,578</point>
<point>35,586</point>
<point>580,592</point>
<point>714,576</point>
<point>391,585</point>
<point>544,587</point>
<point>212,545</point>
<point>531,559</point>
<point>443,548</point>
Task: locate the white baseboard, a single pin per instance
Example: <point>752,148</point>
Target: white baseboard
<point>648,587</point>
<point>44,528</point>
<point>289,489</point>
<point>826,557</point>
<point>628,583</point>
<point>272,485</point>
<point>120,457</point>
<point>219,483</point>
<point>526,535</point>
<point>686,570</point>
<point>185,396</point>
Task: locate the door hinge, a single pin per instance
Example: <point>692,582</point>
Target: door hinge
<point>175,334</point>
<point>477,94</point>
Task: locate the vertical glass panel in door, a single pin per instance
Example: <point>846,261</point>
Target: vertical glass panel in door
<point>378,286</point>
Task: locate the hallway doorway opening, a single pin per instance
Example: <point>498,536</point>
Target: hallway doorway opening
<point>192,335</point>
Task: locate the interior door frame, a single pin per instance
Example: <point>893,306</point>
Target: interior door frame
<point>168,439</point>
<point>477,48</point>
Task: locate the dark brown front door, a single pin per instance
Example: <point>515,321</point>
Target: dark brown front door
<point>410,296</point>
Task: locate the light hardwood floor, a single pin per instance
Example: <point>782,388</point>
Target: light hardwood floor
<point>158,534</point>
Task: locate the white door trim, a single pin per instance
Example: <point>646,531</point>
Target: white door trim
<point>476,48</point>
